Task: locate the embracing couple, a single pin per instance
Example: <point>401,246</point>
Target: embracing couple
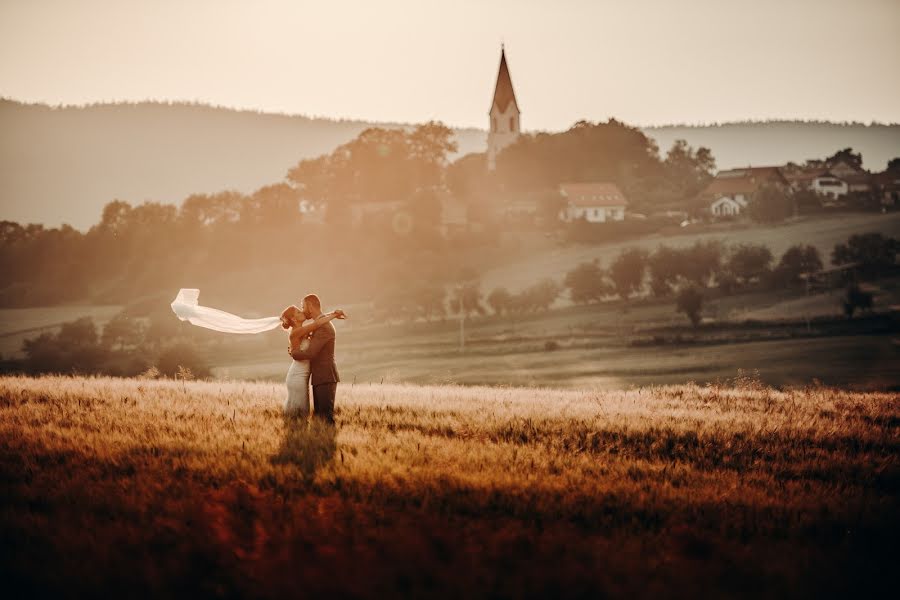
<point>312,348</point>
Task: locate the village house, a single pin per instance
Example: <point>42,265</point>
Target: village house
<point>829,185</point>
<point>595,202</point>
<point>729,194</point>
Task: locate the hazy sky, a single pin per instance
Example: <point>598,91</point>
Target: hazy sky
<point>641,61</point>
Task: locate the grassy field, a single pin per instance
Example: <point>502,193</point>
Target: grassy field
<point>598,347</point>
<point>159,489</point>
<point>540,258</point>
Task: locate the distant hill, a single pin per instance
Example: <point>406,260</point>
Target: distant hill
<point>61,165</point>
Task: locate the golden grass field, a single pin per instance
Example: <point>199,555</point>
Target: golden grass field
<point>147,488</point>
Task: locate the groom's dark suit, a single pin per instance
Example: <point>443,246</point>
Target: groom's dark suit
<point>323,371</point>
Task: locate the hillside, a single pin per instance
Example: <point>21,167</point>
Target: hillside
<point>61,165</point>
<point>144,488</point>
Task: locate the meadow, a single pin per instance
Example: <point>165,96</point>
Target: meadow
<point>154,488</point>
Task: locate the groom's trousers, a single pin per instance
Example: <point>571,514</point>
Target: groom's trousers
<point>323,401</point>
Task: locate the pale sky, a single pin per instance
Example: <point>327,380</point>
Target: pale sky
<point>641,61</point>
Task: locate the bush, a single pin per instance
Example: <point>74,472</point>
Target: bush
<point>176,359</point>
<point>586,283</point>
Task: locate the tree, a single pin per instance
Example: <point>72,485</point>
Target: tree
<point>429,301</point>
<point>586,283</point>
<point>627,271</point>
<point>181,358</point>
<point>873,252</point>
<point>749,263</point>
<point>500,300</point>
<point>466,299</point>
<point>664,266</point>
<point>797,261</point>
<point>770,204</point>
<point>123,331</point>
<point>893,165</point>
<point>856,298</point>
<point>688,171</point>
<point>690,302</point>
<point>702,261</point>
<point>539,296</point>
<point>847,155</point>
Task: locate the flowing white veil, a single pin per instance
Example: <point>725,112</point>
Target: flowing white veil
<point>187,309</point>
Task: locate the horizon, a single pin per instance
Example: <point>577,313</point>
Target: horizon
<point>581,61</point>
<point>352,119</point>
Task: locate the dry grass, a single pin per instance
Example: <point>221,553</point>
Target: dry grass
<point>150,488</point>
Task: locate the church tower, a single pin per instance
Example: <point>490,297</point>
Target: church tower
<point>504,114</point>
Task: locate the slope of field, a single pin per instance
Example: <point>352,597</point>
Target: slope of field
<point>543,259</point>
<point>160,489</point>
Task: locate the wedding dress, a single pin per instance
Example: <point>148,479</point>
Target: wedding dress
<point>186,307</point>
<point>297,381</point>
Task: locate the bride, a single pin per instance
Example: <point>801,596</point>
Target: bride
<point>297,380</point>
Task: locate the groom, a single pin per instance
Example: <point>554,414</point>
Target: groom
<point>320,354</point>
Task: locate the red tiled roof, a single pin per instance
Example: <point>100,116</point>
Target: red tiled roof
<point>503,92</point>
<point>593,194</point>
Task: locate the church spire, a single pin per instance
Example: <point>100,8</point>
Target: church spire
<point>503,91</point>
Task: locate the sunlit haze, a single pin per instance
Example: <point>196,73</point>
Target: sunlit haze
<point>644,62</point>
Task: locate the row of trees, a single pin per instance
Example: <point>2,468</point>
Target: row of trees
<point>125,346</point>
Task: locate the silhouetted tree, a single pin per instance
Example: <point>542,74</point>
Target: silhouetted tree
<point>749,263</point>
<point>500,300</point>
<point>797,261</point>
<point>873,252</point>
<point>856,298</point>
<point>627,271</point>
<point>770,204</point>
<point>586,283</point>
<point>690,301</point>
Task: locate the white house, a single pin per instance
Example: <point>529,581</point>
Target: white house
<point>731,191</point>
<point>594,202</point>
<point>828,184</point>
<point>728,206</point>
<point>504,113</point>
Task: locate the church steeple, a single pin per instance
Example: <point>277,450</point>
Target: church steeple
<point>503,91</point>
<point>504,113</point>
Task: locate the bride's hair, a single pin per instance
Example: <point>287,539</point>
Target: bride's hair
<point>287,315</point>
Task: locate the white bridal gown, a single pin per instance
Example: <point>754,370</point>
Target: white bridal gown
<point>297,381</point>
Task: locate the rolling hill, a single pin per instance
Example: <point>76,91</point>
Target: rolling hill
<point>61,165</point>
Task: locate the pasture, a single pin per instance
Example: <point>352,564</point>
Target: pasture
<point>145,488</point>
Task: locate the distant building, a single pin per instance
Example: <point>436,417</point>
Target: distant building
<point>729,194</point>
<point>888,186</point>
<point>505,122</point>
<point>362,212</point>
<point>595,202</point>
<point>828,184</point>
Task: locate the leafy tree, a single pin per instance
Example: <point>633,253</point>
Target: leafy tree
<point>664,266</point>
<point>856,298</point>
<point>179,358</point>
<point>749,263</point>
<point>466,299</point>
<point>797,261</point>
<point>430,301</point>
<point>539,296</point>
<point>847,155</point>
<point>627,272</point>
<point>893,165</point>
<point>500,300</point>
<point>690,302</point>
<point>770,204</point>
<point>688,171</point>
<point>122,331</point>
<point>586,283</point>
<point>702,261</point>
<point>873,252</point>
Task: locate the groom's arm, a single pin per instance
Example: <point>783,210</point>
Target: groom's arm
<point>320,337</point>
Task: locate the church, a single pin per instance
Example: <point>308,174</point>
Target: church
<point>505,115</point>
